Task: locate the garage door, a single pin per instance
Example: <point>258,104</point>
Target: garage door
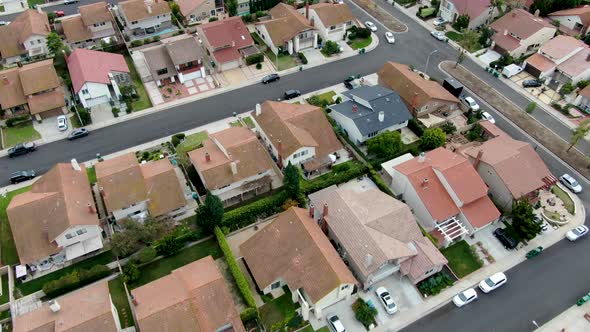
<point>51,113</point>
<point>97,101</point>
<point>230,65</point>
<point>532,70</point>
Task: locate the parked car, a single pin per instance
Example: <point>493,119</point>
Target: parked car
<point>77,133</point>
<point>270,78</point>
<point>371,26</point>
<point>531,83</point>
<point>507,241</point>
<point>465,297</point>
<point>67,2</point>
<point>351,83</point>
<point>439,21</point>
<point>489,284</point>
<point>439,35</point>
<point>389,36</point>
<point>290,94</point>
<point>511,70</point>
<point>571,183</point>
<point>470,102</point>
<point>487,116</point>
<point>577,233</point>
<point>386,300</point>
<point>335,324</point>
<point>21,148</point>
<point>59,13</point>
<point>62,123</point>
<point>18,177</point>
<point>3,23</point>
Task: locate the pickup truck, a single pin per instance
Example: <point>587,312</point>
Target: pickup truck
<point>21,149</point>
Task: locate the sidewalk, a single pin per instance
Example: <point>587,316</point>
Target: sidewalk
<point>571,320</point>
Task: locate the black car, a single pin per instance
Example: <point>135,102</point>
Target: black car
<point>290,94</point>
<point>20,149</point>
<point>270,78</point>
<point>18,177</point>
<point>77,133</point>
<point>507,241</point>
<point>532,83</point>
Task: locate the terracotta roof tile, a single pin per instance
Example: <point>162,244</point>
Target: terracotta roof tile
<point>577,64</point>
<point>427,257</point>
<point>285,24</point>
<point>29,23</point>
<point>519,22</point>
<point>47,101</point>
<point>163,187</point>
<point>121,181</point>
<point>38,76</point>
<point>480,212</point>
<point>75,30</point>
<point>11,90</point>
<point>137,10</point>
<point>333,14</point>
<point>540,62</point>
<point>94,66</point>
<point>473,8</point>
<point>583,12</point>
<point>560,46</point>
<point>188,6</point>
<point>226,37</point>
<point>585,92</point>
<point>97,12</point>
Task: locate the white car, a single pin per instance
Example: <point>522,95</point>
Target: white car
<point>62,123</point>
<point>386,300</point>
<point>439,35</point>
<point>487,116</point>
<point>335,324</point>
<point>371,26</point>
<point>439,21</point>
<point>489,284</point>
<point>389,36</point>
<point>470,102</point>
<point>571,183</point>
<point>3,23</point>
<point>465,297</point>
<point>577,233</point>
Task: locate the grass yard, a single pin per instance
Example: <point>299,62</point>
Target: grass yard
<point>144,101</point>
<point>326,97</point>
<point>236,123</point>
<point>285,61</point>
<point>359,43</point>
<point>33,3</point>
<point>5,314</point>
<point>249,122</point>
<point>190,143</point>
<point>75,121</point>
<point>565,198</point>
<point>8,254</point>
<point>37,284</point>
<point>457,37</point>
<point>20,134</point>
<point>308,328</point>
<point>278,310</point>
<point>552,215</point>
<point>119,297</point>
<point>257,39</point>
<point>4,298</point>
<point>91,171</point>
<point>164,266</point>
<point>461,258</point>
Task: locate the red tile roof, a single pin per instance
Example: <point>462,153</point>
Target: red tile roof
<point>480,212</point>
<point>540,62</point>
<point>583,12</point>
<point>520,23</point>
<point>473,8</point>
<point>93,66</point>
<point>230,34</point>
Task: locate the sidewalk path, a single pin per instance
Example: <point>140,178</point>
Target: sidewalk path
<point>571,320</point>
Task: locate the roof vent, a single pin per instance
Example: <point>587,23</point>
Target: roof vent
<point>381,116</point>
<point>54,306</point>
<point>368,260</point>
<point>421,157</point>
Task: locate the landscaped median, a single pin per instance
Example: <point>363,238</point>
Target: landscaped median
<point>383,16</point>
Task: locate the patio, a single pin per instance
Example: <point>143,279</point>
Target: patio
<point>177,90</point>
<point>543,93</point>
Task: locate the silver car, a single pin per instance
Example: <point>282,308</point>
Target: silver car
<point>571,183</point>
<point>439,35</point>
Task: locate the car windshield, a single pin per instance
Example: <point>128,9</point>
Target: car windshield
<point>574,182</point>
<point>462,297</point>
<point>579,230</point>
<point>391,305</point>
<point>489,282</point>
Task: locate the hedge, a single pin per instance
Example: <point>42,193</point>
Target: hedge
<point>416,127</point>
<point>379,182</point>
<point>247,214</point>
<point>75,280</point>
<point>302,58</point>
<point>17,120</point>
<point>239,278</point>
<point>339,174</point>
<point>248,314</point>
<point>254,58</point>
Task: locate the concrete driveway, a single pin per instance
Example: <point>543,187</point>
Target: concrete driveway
<point>48,127</point>
<point>101,113</point>
<point>490,243</point>
<point>404,294</point>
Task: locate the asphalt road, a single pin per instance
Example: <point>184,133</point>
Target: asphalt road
<point>67,9</point>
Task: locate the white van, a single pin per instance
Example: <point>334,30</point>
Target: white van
<point>511,70</point>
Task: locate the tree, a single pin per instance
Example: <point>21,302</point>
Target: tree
<point>461,23</point>
<point>147,254</point>
<point>496,5</point>
<point>580,132</point>
<point>485,36</point>
<point>386,145</point>
<point>232,7</point>
<point>131,272</point>
<point>432,138</point>
<point>124,244</point>
<point>530,108</point>
<point>291,181</point>
<point>169,245</point>
<point>364,313</point>
<point>544,6</point>
<point>54,43</point>
<point>210,214</point>
<point>523,220</point>
<point>330,48</point>
<point>449,128</point>
<point>460,56</point>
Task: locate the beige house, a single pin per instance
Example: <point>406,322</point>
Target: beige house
<point>330,19</point>
<point>145,17</point>
<point>195,11</point>
<point>235,166</point>
<point>93,26</point>
<point>24,38</point>
<point>520,32</point>
<point>576,20</point>
<point>292,251</point>
<point>193,297</point>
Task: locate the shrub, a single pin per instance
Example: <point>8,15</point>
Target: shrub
<point>302,58</point>
<point>248,314</point>
<point>330,48</point>
<point>582,84</point>
<point>131,272</point>
<point>85,116</point>
<point>213,19</point>
<point>364,313</point>
<point>362,33</point>
<point>432,138</point>
<point>168,245</point>
<point>254,58</point>
<point>475,133</point>
<point>74,280</point>
<point>156,38</point>
<point>335,177</point>
<point>17,120</point>
<point>247,18</point>
<point>147,254</point>
<point>115,111</point>
<point>416,127</point>
<point>566,89</point>
<point>530,108</point>
<point>449,128</point>
<point>177,139</point>
<point>260,13</point>
<point>247,214</point>
<point>462,22</point>
<point>259,66</point>
<point>380,183</point>
<point>136,43</point>
<point>435,284</point>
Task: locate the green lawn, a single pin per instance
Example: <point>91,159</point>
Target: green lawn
<point>190,143</point>
<point>277,310</point>
<point>461,259</point>
<point>4,298</point>
<point>119,297</point>
<point>37,284</point>
<point>236,123</point>
<point>20,134</point>
<point>565,198</point>
<point>32,3</point>
<point>1,8</point>
<point>144,101</point>
<point>8,254</point>
<point>308,328</point>
<point>75,121</point>
<point>91,171</point>
<point>457,37</point>
<point>257,39</point>
<point>164,266</point>
<point>5,314</point>
<point>359,43</point>
<point>249,122</point>
<point>285,61</point>
<point>327,97</point>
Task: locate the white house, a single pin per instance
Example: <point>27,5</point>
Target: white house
<point>367,111</point>
<point>330,20</point>
<point>144,17</point>
<point>480,12</point>
<point>25,37</point>
<point>575,19</point>
<point>583,99</point>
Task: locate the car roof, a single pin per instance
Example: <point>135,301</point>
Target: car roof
<point>497,277</point>
<point>469,292</point>
<point>567,177</point>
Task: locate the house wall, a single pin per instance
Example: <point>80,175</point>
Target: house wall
<point>14,5</point>
<point>350,129</point>
<point>243,7</point>
<point>484,18</point>
<point>335,34</point>
<point>434,105</point>
<point>162,20</point>
<point>115,314</point>
<point>300,156</point>
<point>126,212</point>
<point>533,42</point>
<point>202,12</point>
<point>269,289</point>
<point>91,232</point>
<point>402,186</point>
<point>232,190</point>
<point>263,33</point>
<point>36,45</point>
<point>498,190</point>
<point>94,93</point>
<point>425,275</point>
<point>447,10</point>
<point>569,21</point>
<point>100,29</point>
<point>343,291</point>
<point>583,103</point>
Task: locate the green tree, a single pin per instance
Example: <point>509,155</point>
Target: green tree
<point>147,254</point>
<point>386,145</point>
<point>232,7</point>
<point>544,6</point>
<point>449,128</point>
<point>210,214</point>
<point>461,23</point>
<point>432,139</point>
<point>291,182</point>
<point>131,272</point>
<point>54,43</point>
<point>330,48</point>
<point>579,133</point>
<point>124,244</point>
<point>523,220</point>
<point>169,245</point>
<point>364,313</point>
<point>485,36</point>
<point>530,108</point>
<point>566,89</point>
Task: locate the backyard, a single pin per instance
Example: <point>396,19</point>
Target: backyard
<point>278,310</point>
<point>8,254</point>
<point>144,101</point>
<point>19,134</point>
<point>190,143</point>
<point>461,258</point>
<point>565,198</point>
<point>119,297</point>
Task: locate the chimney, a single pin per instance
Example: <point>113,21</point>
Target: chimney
<point>381,116</point>
<point>149,7</point>
<point>207,157</point>
<point>505,32</point>
<point>75,165</point>
<point>307,9</point>
<point>425,183</point>
<point>368,260</point>
<point>91,208</point>
<point>54,306</point>
<point>5,80</point>
<point>258,110</point>
<point>537,12</point>
<point>421,157</point>
<point>311,211</point>
<point>234,167</point>
<point>355,108</point>
<point>325,211</point>
<point>477,159</point>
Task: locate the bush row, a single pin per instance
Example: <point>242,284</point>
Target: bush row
<point>17,120</point>
<point>248,314</point>
<point>339,174</point>
<point>75,280</point>
<point>254,58</point>
<point>247,214</point>
<point>416,127</point>
<point>302,58</point>
<point>380,183</point>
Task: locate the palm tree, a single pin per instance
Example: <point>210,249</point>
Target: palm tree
<point>579,133</point>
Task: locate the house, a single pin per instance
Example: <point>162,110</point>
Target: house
<point>92,27</point>
<point>55,221</point>
<point>299,134</point>
<point>34,88</point>
<point>480,12</point>
<point>227,42</point>
<point>193,297</point>
<point>25,37</point>
<point>293,251</point>
<point>512,169</point>
<point>330,19</point>
<point>144,17</point>
<point>195,11</point>
<point>11,6</point>
<point>561,60</point>
<point>421,95</point>
<point>583,99</point>
<point>86,309</point>
<point>233,165</point>
<point>519,32</point>
<point>96,76</point>
<point>133,191</point>
<point>243,7</point>
<point>367,111</point>
<point>287,30</point>
<point>445,192</point>
<point>177,58</point>
<point>376,233</point>
<point>576,20</point>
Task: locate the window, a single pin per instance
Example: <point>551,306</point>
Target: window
<point>81,231</point>
<point>275,285</point>
<point>39,41</point>
<point>344,287</point>
<point>212,11</point>
<point>99,24</point>
<point>133,22</point>
<point>85,91</point>
<point>349,23</point>
<point>333,27</point>
<point>70,235</point>
<point>162,71</point>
